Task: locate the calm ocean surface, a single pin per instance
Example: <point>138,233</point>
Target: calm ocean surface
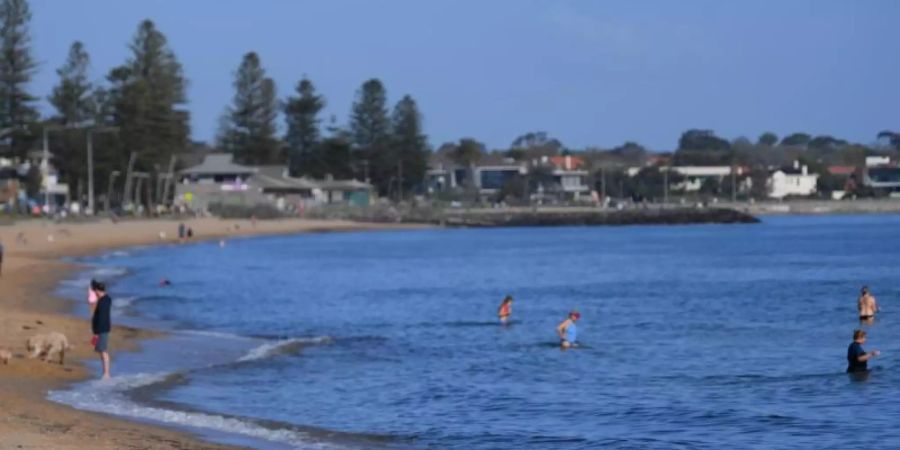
<point>694,337</point>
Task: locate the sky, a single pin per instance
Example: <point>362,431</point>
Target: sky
<point>588,72</point>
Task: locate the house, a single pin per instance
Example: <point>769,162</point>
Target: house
<point>569,176</point>
<point>882,177</point>
<point>9,187</point>
<point>493,171</point>
<point>53,193</point>
<point>349,192</point>
<point>219,180</point>
<point>444,174</point>
<point>792,181</point>
<point>695,176</point>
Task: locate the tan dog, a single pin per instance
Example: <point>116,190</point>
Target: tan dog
<point>5,356</point>
<point>49,345</point>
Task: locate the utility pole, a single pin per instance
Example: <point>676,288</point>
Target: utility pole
<point>170,180</point>
<point>90,162</point>
<point>603,185</point>
<point>46,171</point>
<point>129,177</point>
<point>109,188</point>
<point>666,185</point>
<point>400,180</point>
<point>733,182</point>
<point>90,168</point>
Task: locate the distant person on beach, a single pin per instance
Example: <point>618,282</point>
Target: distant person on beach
<point>857,358</point>
<point>867,305</point>
<point>101,324</point>
<point>190,233</point>
<point>1,258</point>
<point>505,310</point>
<point>568,331</point>
<point>181,231</point>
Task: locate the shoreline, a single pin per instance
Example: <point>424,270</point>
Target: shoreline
<point>29,304</point>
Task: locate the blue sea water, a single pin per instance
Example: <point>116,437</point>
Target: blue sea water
<point>692,337</point>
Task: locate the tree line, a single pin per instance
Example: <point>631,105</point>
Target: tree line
<point>138,120</point>
<point>138,117</point>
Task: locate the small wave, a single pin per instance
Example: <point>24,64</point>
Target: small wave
<point>283,347</point>
<point>107,396</point>
<point>123,302</point>
<point>108,272</point>
<point>116,254</point>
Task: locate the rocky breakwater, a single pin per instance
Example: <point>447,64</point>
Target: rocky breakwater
<point>587,216</point>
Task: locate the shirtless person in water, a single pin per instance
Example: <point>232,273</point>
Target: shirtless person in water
<point>867,305</point>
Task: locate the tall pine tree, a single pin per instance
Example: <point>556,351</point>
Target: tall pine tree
<point>16,69</point>
<point>72,97</point>
<point>75,104</point>
<point>409,144</point>
<point>147,99</point>
<point>249,128</point>
<point>302,116</point>
<point>370,129</point>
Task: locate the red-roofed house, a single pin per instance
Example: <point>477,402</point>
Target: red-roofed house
<point>842,170</point>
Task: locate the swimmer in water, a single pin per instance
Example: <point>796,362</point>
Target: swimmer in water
<point>505,310</point>
<point>867,305</point>
<point>857,358</point>
<point>165,282</point>
<point>568,331</point>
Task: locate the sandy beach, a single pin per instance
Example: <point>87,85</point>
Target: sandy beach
<point>30,274</point>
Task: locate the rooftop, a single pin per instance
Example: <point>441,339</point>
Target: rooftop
<point>218,163</point>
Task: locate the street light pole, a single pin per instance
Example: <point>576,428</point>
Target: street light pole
<point>109,187</point>
<point>90,168</point>
<point>90,161</point>
<point>45,171</point>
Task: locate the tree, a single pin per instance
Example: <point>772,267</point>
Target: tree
<point>409,143</point>
<point>768,139</point>
<point>890,139</point>
<point>146,101</point>
<point>250,125</point>
<point>370,130</point>
<point>72,97</point>
<point>796,139</point>
<point>535,145</point>
<point>702,140</point>
<point>74,100</point>
<point>16,69</point>
<point>468,152</point>
<point>826,142</point>
<point>302,116</point>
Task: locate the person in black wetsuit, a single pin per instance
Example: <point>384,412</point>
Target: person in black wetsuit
<point>857,358</point>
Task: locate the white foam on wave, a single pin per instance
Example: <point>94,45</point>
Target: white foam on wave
<point>275,347</point>
<point>123,302</point>
<point>116,254</point>
<point>107,396</point>
<point>108,271</point>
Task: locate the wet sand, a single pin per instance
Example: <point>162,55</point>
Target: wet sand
<point>31,272</point>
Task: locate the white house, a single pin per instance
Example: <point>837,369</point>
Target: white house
<point>694,176</point>
<point>796,181</point>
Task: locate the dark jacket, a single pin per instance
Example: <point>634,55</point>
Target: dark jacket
<point>101,323</point>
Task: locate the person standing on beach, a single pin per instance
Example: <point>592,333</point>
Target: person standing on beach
<point>867,305</point>
<point>857,358</point>
<point>181,232</point>
<point>568,331</point>
<point>1,258</point>
<point>505,310</point>
<point>101,325</point>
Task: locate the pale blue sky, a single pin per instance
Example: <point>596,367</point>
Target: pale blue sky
<point>590,72</point>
